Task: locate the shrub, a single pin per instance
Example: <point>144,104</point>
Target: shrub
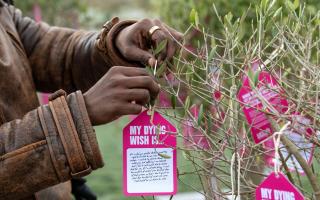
<point>227,43</point>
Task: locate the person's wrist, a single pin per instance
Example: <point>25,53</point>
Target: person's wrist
<point>111,47</point>
<point>89,108</point>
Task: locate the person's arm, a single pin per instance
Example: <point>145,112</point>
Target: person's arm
<point>67,59</point>
<point>63,58</point>
<point>56,142</point>
<point>49,145</point>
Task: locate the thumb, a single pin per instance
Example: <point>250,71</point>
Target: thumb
<point>140,55</point>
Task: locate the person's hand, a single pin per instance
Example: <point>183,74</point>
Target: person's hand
<point>122,91</point>
<point>135,41</point>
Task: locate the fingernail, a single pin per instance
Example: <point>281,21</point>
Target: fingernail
<point>151,62</point>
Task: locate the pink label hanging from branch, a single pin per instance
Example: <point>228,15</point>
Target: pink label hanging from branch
<point>300,133</point>
<point>149,156</point>
<point>277,187</point>
<point>268,88</point>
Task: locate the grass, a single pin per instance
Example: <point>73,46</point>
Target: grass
<point>107,182</point>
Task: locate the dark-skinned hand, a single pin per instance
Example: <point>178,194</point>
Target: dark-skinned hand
<point>134,42</point>
<point>121,91</point>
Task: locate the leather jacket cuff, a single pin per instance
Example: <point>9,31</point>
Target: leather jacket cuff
<point>85,130</point>
<point>67,118</point>
<point>105,42</point>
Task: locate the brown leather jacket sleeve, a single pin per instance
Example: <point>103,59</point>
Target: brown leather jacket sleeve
<point>47,146</point>
<point>63,58</point>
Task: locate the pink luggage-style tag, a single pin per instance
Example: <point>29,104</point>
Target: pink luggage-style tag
<point>299,133</point>
<point>276,187</point>
<point>149,156</point>
<point>268,89</point>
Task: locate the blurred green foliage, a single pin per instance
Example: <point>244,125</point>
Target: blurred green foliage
<point>87,14</point>
<point>177,12</point>
<point>57,12</point>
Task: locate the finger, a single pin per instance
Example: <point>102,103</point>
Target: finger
<point>176,34</point>
<point>130,109</point>
<point>176,38</point>
<point>135,53</point>
<point>140,96</point>
<point>171,50</point>
<point>144,82</point>
<point>130,71</point>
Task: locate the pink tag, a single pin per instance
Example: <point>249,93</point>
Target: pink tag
<point>261,128</point>
<point>277,188</point>
<point>299,134</point>
<point>270,90</point>
<point>149,156</point>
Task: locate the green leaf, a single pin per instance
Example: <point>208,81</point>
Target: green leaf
<point>173,101</point>
<point>165,156</point>
<point>272,4</point>
<point>287,72</point>
<point>296,4</point>
<point>250,74</point>
<point>229,17</point>
<point>253,77</point>
<point>277,12</point>
<point>227,21</point>
<point>161,70</point>
<point>194,17</point>
<point>197,20</point>
<point>200,116</point>
<point>187,103</point>
<point>256,78</point>
<point>264,4</point>
<point>211,54</point>
<point>292,6</point>
<point>160,47</point>
<point>149,70</point>
<point>213,42</point>
<point>241,32</point>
